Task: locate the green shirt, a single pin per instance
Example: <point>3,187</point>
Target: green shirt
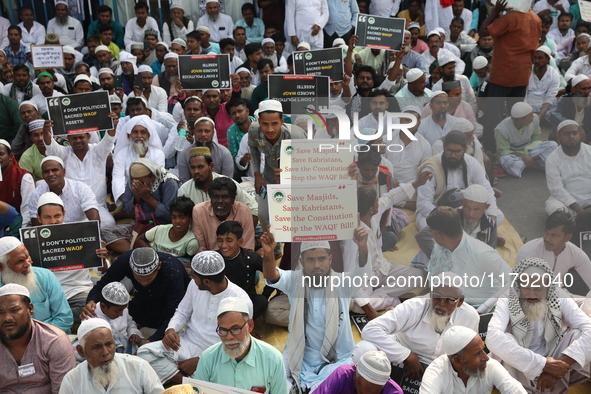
<point>31,161</point>
<point>262,367</point>
<point>160,242</point>
<point>10,118</point>
<point>234,136</point>
<point>260,93</point>
<point>504,146</point>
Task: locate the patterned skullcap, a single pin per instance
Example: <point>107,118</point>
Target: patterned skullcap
<point>144,261</point>
<point>115,293</point>
<point>375,367</point>
<point>208,263</point>
<point>200,151</point>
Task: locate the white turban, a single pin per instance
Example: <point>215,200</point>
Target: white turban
<point>141,120</point>
<point>457,338</point>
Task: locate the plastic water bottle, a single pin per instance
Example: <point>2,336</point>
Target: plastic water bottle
<point>181,141</point>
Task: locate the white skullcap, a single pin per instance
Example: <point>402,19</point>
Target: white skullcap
<point>208,263</point>
<point>266,40</point>
<point>565,123</point>
<point>520,110</point>
<point>577,79</point>
<point>82,77</point>
<point>114,99</point>
<point>304,45</point>
<point>233,304</point>
<point>338,42</point>
<point>69,49</point>
<point>450,279</point>
<point>28,102</point>
<point>204,29</point>
<point>412,108</point>
<point>49,198</point>
<point>206,119</point>
<point>212,1</point>
<point>413,74</point>
<point>179,41</point>
<point>314,244</point>
<point>65,2</point>
<point>457,338</point>
<point>375,367</point>
<point>50,158</point>
<point>5,143</point>
<point>413,25</point>
<point>440,30</point>
<point>115,293</point>
<point>177,5</point>
<point>545,49</point>
<point>476,193</point>
<point>127,57</point>
<point>445,58</point>
<point>165,45</point>
<point>463,125</point>
<point>8,244</point>
<point>171,55</point>
<point>102,48</point>
<point>14,289</point>
<point>479,63</point>
<point>242,69</point>
<point>36,124</point>
<point>105,70</point>
<point>144,261</point>
<point>437,93</point>
<point>144,68</point>
<point>89,325</point>
<point>433,33</point>
<point>270,105</point>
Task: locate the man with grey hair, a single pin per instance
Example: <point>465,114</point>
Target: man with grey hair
<point>527,331</point>
<point>68,29</point>
<point>34,356</point>
<point>104,369</point>
<point>192,329</point>
<point>465,367</point>
<point>240,360</point>
<point>410,333</point>
<point>47,295</point>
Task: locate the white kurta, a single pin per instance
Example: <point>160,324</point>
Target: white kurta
<point>427,59</point>
<point>554,12</point>
<point>579,66</point>
<point>41,103</point>
<point>556,36</point>
<point>177,33</point>
<point>158,98</point>
<point>134,34</point>
<point>441,378</point>
<point>219,29</point>
<point>407,328</point>
<point>405,163</point>
<point>71,34</point>
<point>20,95</point>
<point>432,131</point>
<point>385,8</point>
<point>542,91</point>
<point>301,15</point>
<point>123,327</point>
<point>34,37</point>
<point>77,197</point>
<point>405,98</point>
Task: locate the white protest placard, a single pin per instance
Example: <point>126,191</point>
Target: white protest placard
<point>214,388</point>
<point>585,7</point>
<point>305,212</point>
<point>47,56</point>
<point>315,161</point>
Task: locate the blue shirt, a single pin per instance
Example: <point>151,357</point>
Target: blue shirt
<point>7,219</point>
<point>254,33</point>
<point>16,58</point>
<point>214,47</point>
<point>93,30</point>
<point>342,15</point>
<point>157,67</point>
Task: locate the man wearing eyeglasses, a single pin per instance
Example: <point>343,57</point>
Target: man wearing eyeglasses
<point>177,355</point>
<point>410,334</point>
<point>240,360</point>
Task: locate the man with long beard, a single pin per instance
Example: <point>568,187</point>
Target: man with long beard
<point>574,106</point>
<point>104,369</point>
<point>410,333</point>
<point>47,296</point>
<point>465,367</point>
<point>527,331</point>
<point>68,29</point>
<point>34,356</point>
<point>240,360</point>
<point>439,123</point>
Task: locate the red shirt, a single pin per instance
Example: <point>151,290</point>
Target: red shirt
<point>222,122</point>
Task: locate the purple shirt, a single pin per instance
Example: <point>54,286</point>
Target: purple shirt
<point>342,381</point>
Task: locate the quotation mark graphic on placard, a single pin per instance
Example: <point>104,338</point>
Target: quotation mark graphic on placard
<point>29,234</point>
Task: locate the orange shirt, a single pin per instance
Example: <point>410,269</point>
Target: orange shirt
<point>517,37</point>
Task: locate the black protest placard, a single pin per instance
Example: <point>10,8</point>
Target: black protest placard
<point>483,327</point>
<point>328,62</point>
<point>202,72</point>
<point>298,92</point>
<point>379,32</point>
<point>63,247</point>
<point>408,386</point>
<point>80,113</point>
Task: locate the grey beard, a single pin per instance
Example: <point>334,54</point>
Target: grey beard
<point>61,20</point>
<point>582,101</point>
<point>105,374</point>
<point>215,17</point>
<point>29,280</point>
<point>237,352</point>
<point>469,226</point>
<point>439,115</point>
<point>140,147</point>
<point>103,65</point>
<point>534,311</point>
<point>478,374</point>
<point>438,322</point>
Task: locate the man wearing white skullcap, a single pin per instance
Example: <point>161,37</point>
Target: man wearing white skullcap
<point>180,25</point>
<point>255,27</point>
<point>156,97</point>
<point>220,25</point>
<point>415,92</point>
<point>447,64</point>
<point>105,369</point>
<point>436,42</point>
<point>574,106</point>
<point>28,111</point>
<point>47,295</point>
<point>259,364</point>
<point>466,368</point>
<point>568,171</point>
<point>178,352</point>
<point>439,123</point>
<point>519,141</point>
<point>542,337</point>
<point>370,375</point>
<point>135,28</point>
<point>410,334</point>
<point>68,29</point>
<point>544,82</point>
<point>34,355</point>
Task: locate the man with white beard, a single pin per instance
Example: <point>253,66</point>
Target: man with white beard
<point>106,370</point>
<point>47,296</point>
<point>411,333</point>
<point>526,331</point>
<point>68,29</point>
<point>240,360</point>
<point>140,140</point>
<point>465,367</point>
<point>574,106</point>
